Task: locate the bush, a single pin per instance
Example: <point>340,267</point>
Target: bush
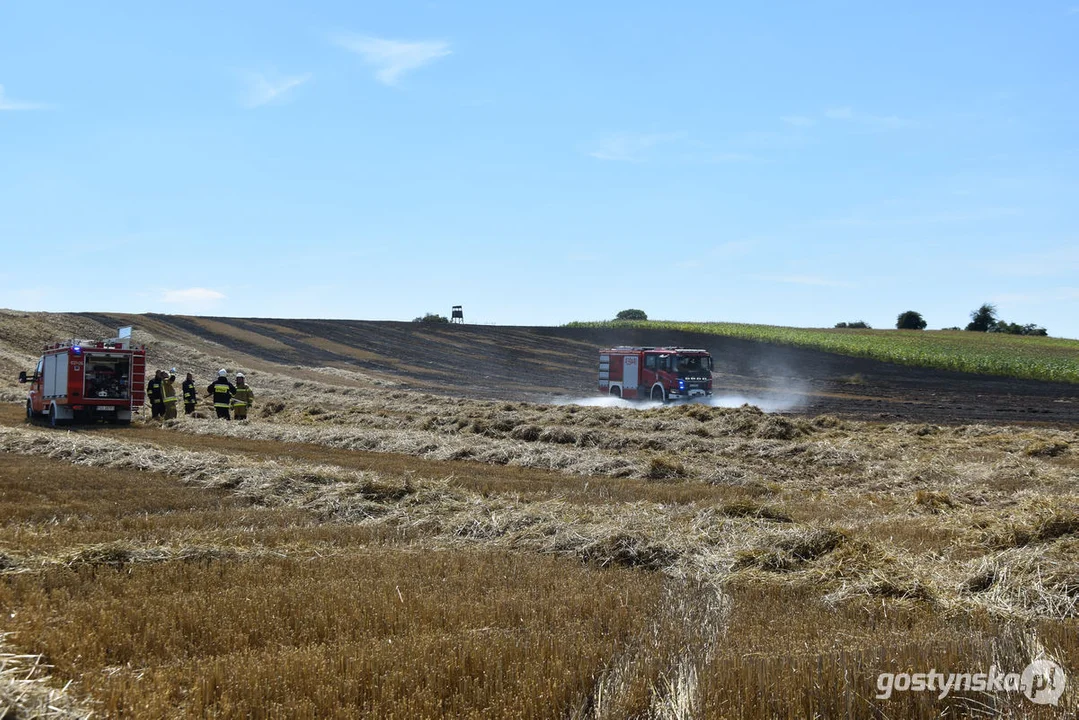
<point>910,320</point>
<point>431,318</point>
<point>631,314</point>
<point>857,325</point>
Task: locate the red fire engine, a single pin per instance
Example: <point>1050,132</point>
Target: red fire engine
<point>655,373</point>
<point>87,381</point>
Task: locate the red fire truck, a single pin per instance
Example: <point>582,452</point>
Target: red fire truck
<point>87,381</point>
<point>655,373</point>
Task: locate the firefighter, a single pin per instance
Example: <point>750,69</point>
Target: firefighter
<point>244,399</point>
<point>222,391</point>
<point>168,393</point>
<point>190,398</point>
<point>155,393</point>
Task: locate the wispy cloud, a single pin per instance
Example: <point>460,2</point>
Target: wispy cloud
<point>1052,296</point>
<point>392,58</point>
<point>1074,10</point>
<point>799,120</point>
<point>813,280</point>
<point>263,89</point>
<point>7,103</point>
<point>631,146</point>
<point>868,120</point>
<point>1059,261</point>
<point>196,298</point>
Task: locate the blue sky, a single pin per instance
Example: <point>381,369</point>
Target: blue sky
<point>784,163</point>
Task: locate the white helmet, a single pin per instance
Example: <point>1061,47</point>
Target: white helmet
<point>239,375</point>
<point>222,372</point>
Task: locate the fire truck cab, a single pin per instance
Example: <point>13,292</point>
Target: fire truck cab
<point>655,373</point>
<point>85,381</point>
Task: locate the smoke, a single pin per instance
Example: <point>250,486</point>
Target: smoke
<point>781,394</point>
<point>609,401</point>
<point>787,401</point>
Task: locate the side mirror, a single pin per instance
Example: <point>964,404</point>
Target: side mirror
<point>22,376</point>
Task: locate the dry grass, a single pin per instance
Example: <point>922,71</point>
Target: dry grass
<point>240,517</point>
<point>27,692</point>
<point>386,634</point>
<point>777,563</point>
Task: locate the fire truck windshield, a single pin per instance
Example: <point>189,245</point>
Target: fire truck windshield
<point>694,365</point>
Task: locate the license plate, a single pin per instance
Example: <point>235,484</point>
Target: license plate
<point>106,408</point>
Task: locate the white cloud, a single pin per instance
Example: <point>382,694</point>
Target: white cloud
<point>7,103</point>
<point>1073,10</point>
<point>813,280</point>
<point>631,146</point>
<point>196,298</point>
<point>392,58</point>
<point>262,89</point>
<point>873,122</point>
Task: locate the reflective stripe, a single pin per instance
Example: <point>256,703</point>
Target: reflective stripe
<point>170,399</point>
<point>221,405</point>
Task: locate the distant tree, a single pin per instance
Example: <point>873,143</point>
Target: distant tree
<point>858,325</point>
<point>910,320</point>
<point>953,327</point>
<point>984,319</point>
<point>431,318</point>
<point>631,314</point>
<point>1017,329</point>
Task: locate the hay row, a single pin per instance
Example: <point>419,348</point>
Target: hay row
<point>1032,580</point>
<point>27,692</point>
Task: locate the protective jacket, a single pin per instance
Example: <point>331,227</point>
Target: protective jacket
<point>189,392</point>
<point>168,391</point>
<point>244,398</point>
<point>222,390</point>
<point>154,392</point>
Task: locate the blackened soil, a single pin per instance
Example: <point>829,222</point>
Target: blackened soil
<point>555,363</point>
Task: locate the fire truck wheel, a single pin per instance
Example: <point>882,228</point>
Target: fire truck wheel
<point>53,422</point>
<point>616,391</point>
<point>29,411</point>
<point>657,394</point>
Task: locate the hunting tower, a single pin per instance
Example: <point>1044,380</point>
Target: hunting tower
<point>458,315</point>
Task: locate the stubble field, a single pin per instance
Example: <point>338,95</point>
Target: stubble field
<point>364,549</point>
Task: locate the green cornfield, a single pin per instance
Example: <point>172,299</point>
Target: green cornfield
<point>1034,358</point>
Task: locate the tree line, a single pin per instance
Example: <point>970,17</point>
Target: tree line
<point>984,319</point>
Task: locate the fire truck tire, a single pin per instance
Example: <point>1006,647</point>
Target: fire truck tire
<point>616,391</point>
<point>53,422</point>
<point>29,411</point>
<point>657,394</point>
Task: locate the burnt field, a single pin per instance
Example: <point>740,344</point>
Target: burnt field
<point>543,364</point>
<point>409,527</point>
